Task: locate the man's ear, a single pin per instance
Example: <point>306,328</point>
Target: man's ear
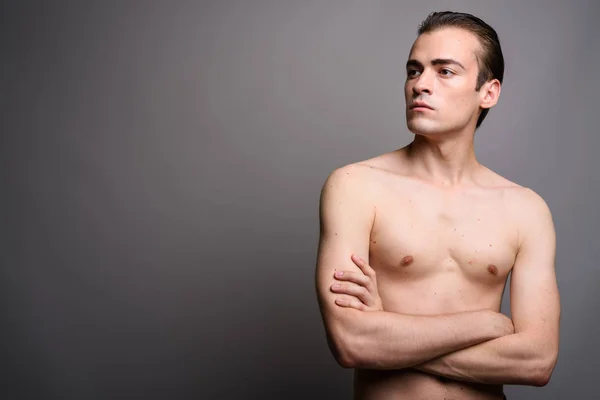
<point>490,92</point>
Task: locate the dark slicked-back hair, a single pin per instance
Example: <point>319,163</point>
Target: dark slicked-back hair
<point>490,59</point>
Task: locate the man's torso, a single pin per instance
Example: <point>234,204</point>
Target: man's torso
<point>436,251</point>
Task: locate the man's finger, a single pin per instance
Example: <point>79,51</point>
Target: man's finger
<point>364,266</point>
<point>355,290</point>
<point>350,303</point>
<point>355,277</point>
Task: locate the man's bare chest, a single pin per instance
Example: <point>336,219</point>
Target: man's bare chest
<point>416,235</point>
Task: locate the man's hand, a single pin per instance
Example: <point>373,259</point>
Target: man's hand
<point>361,286</point>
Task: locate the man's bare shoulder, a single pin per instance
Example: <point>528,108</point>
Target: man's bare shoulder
<point>529,206</point>
<point>493,180</point>
<point>391,163</point>
<point>356,187</point>
<point>525,205</point>
<point>521,199</point>
<point>360,175</point>
<point>347,177</point>
<point>348,185</point>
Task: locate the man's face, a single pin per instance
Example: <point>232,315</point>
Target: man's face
<point>442,74</point>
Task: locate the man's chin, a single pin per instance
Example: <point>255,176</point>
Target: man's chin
<point>425,128</point>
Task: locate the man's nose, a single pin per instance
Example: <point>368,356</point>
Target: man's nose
<point>423,83</point>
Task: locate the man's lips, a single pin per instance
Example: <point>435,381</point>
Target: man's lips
<point>419,104</point>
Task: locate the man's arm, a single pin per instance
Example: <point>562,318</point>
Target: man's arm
<point>528,356</point>
<point>379,339</point>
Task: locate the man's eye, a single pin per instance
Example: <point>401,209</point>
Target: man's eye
<point>412,72</point>
<point>447,72</point>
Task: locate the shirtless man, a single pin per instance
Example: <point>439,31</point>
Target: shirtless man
<point>418,314</point>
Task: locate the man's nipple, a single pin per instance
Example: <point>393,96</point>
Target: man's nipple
<point>492,269</point>
<point>406,261</point>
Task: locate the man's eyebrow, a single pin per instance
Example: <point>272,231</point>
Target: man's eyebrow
<point>445,61</point>
<point>414,63</point>
<point>437,61</point>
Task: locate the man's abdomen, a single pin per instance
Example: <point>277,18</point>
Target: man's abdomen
<point>414,385</point>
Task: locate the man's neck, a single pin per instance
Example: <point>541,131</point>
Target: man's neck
<point>448,162</point>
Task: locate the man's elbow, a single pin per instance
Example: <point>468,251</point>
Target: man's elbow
<point>542,370</point>
<point>355,352</point>
<point>353,340</point>
<point>343,349</point>
<point>345,360</point>
<point>349,342</point>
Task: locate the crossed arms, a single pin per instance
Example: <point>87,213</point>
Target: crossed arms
<point>476,346</point>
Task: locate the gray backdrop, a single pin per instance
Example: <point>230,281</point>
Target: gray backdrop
<point>161,167</point>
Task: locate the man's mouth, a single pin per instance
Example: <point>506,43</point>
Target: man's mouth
<point>420,105</point>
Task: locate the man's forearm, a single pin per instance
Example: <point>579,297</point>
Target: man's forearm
<point>386,340</point>
<point>513,359</point>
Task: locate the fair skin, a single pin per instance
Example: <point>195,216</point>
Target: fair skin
<point>437,233</point>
